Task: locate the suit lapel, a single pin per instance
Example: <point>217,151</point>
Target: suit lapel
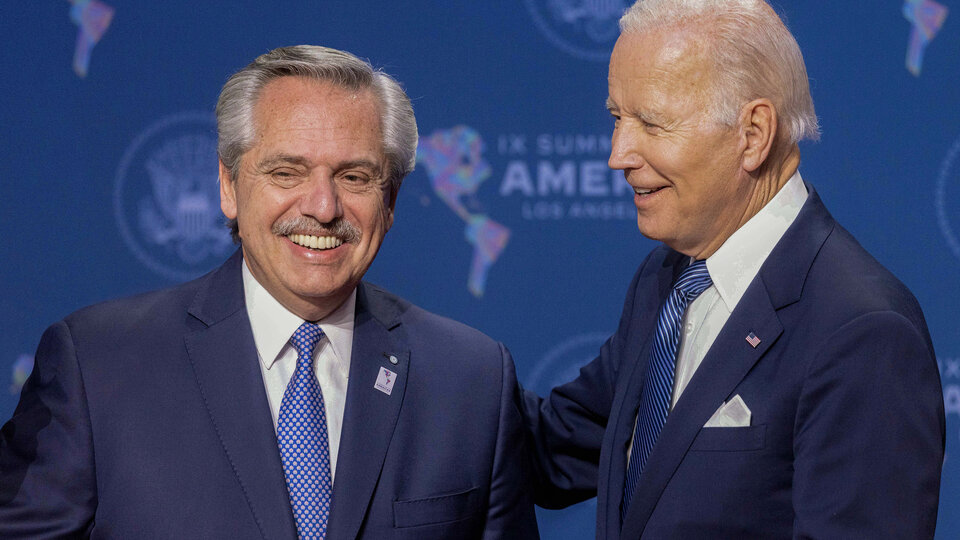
<point>370,414</point>
<point>224,360</point>
<point>722,369</point>
<point>778,284</point>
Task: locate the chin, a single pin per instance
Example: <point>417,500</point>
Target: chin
<point>323,291</point>
<point>649,232</point>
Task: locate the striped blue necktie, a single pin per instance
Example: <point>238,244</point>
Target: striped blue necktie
<point>303,441</point>
<point>658,378</point>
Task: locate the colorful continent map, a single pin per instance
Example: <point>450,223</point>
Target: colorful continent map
<point>927,17</point>
<point>455,165</point>
<point>93,18</point>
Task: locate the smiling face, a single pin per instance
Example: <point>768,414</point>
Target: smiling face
<point>311,196</point>
<point>691,191</point>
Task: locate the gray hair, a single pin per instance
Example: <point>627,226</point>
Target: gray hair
<point>753,54</point>
<point>238,98</point>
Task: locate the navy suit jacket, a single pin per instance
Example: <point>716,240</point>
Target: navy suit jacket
<point>147,418</point>
<point>847,432</point>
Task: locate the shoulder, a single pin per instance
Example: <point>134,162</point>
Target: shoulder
<point>819,265</point>
<point>853,283</point>
<point>836,302</point>
<point>424,328</point>
<point>152,312</point>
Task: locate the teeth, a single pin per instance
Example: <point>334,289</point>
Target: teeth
<point>315,242</point>
<point>642,191</point>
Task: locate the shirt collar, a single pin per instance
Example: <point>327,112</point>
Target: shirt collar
<point>733,266</point>
<point>273,324</point>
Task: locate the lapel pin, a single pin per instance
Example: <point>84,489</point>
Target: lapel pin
<point>393,359</point>
<point>753,340</point>
<point>385,381</point>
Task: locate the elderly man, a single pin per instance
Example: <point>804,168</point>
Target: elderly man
<point>277,396</point>
<point>768,378</point>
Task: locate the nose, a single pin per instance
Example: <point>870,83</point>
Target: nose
<point>625,148</point>
<point>320,199</point>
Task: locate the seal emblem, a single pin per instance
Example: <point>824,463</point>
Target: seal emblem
<point>947,199</point>
<point>167,199</point>
<point>585,29</point>
<point>563,362</point>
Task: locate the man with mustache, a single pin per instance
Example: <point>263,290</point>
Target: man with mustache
<point>278,396</point>
<point>768,378</point>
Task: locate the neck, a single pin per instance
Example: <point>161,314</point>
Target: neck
<point>768,180</point>
<point>311,308</point>
<point>771,179</point>
<point>313,311</point>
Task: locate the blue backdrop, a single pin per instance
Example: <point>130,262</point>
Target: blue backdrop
<point>511,222</point>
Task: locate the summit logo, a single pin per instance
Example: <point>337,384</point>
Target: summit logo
<point>546,177</point>
<point>585,29</point>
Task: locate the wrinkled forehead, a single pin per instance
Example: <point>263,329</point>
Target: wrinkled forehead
<point>312,102</point>
<point>671,63</point>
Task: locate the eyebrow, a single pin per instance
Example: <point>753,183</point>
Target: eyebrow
<point>283,159</point>
<point>647,116</point>
<point>289,159</point>
<point>360,163</point>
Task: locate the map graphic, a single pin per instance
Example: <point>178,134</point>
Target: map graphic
<point>927,17</point>
<point>455,165</point>
<point>21,370</point>
<point>93,18</point>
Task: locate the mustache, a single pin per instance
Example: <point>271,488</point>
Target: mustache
<point>339,228</point>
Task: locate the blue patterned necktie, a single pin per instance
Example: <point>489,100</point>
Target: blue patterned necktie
<point>302,436</point>
<point>658,379</point>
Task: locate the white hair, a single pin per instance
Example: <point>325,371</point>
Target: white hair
<point>236,129</point>
<point>753,55</point>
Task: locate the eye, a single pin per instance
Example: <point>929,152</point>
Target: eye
<point>356,178</point>
<point>616,120</point>
<point>285,177</point>
<point>283,173</point>
<point>650,127</point>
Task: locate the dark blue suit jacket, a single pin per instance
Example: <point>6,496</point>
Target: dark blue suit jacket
<point>847,432</point>
<point>147,418</point>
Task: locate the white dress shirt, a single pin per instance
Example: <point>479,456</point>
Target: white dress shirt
<point>732,269</point>
<point>273,325</point>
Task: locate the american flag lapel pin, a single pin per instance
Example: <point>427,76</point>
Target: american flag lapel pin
<point>753,340</point>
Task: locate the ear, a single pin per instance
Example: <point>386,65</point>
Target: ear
<point>759,123</point>
<point>391,201</point>
<point>228,192</point>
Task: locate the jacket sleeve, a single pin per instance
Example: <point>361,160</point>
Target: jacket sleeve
<point>567,427</point>
<point>47,479</point>
<point>869,434</point>
<point>510,512</point>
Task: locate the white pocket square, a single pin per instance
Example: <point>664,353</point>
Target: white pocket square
<point>733,413</point>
